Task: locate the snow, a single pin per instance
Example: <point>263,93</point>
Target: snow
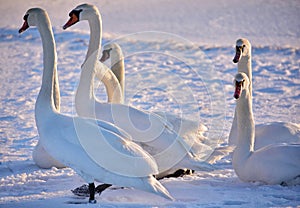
<point>178,58</point>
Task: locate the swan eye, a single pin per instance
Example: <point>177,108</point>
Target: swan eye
<point>240,48</point>
<point>25,17</point>
<point>75,12</point>
<point>239,83</point>
<point>243,48</point>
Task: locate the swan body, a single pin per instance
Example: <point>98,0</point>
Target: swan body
<point>272,164</point>
<point>265,134</point>
<point>42,158</point>
<point>151,131</point>
<point>65,138</point>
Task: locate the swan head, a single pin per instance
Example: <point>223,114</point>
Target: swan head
<point>242,49</point>
<point>241,83</point>
<point>32,17</point>
<point>81,12</point>
<point>111,48</point>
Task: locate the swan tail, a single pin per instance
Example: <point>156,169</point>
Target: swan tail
<point>196,164</point>
<point>219,153</point>
<point>150,184</point>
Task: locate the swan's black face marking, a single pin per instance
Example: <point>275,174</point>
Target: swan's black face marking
<point>75,12</point>
<point>238,88</point>
<point>105,55</point>
<point>74,18</point>
<point>25,17</point>
<point>239,50</point>
<point>25,25</point>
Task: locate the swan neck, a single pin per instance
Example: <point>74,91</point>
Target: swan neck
<point>117,66</point>
<point>245,124</point>
<point>244,65</point>
<point>95,24</point>
<point>45,97</point>
<point>85,99</point>
<point>85,91</point>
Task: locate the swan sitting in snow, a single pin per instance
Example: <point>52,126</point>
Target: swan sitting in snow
<point>149,130</point>
<point>73,140</point>
<point>273,164</point>
<point>265,134</point>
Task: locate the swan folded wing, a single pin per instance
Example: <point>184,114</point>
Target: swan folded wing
<point>143,126</point>
<point>279,131</point>
<point>111,127</point>
<point>111,151</point>
<point>180,125</point>
<point>276,163</point>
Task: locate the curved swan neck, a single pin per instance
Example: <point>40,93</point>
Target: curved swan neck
<point>117,66</point>
<point>245,123</point>
<point>85,90</point>
<point>45,97</point>
<point>95,23</point>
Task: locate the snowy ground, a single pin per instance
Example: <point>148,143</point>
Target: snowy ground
<point>185,66</point>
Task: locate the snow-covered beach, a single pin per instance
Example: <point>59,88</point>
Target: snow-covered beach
<point>178,58</point>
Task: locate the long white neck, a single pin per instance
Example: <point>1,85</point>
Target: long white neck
<point>85,91</point>
<point>245,126</point>
<point>56,90</point>
<point>45,101</point>
<point>244,65</point>
<point>95,24</point>
<point>112,85</point>
<point>117,66</point>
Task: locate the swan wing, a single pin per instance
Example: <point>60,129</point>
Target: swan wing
<point>276,132</point>
<point>275,163</point>
<point>111,151</point>
<point>141,125</point>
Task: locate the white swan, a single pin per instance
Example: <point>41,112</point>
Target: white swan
<point>273,164</point>
<point>70,139</point>
<point>152,132</point>
<point>39,155</point>
<point>115,93</point>
<point>265,134</point>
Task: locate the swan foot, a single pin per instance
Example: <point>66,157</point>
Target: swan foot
<point>101,188</point>
<point>92,201</point>
<point>92,193</point>
<point>83,190</point>
<point>178,173</point>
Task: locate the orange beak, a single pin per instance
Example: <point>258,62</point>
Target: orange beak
<point>24,27</point>
<point>73,19</point>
